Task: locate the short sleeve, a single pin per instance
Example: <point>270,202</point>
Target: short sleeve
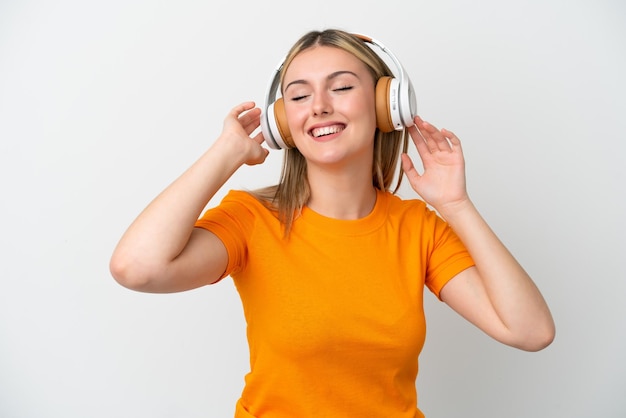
<point>447,258</point>
<point>230,221</point>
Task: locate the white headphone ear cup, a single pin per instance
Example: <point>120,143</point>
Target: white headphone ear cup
<point>267,128</point>
<point>402,104</point>
<point>395,104</point>
<point>407,103</point>
<point>271,130</point>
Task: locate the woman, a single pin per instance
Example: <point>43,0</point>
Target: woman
<point>330,264</point>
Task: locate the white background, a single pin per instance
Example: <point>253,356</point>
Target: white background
<point>103,103</point>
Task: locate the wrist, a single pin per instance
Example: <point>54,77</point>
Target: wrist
<point>228,151</point>
<point>456,211</point>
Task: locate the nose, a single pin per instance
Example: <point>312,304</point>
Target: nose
<point>321,104</point>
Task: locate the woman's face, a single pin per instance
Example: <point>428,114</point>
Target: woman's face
<point>329,100</point>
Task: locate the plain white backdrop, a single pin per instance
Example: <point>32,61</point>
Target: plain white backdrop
<point>103,103</point>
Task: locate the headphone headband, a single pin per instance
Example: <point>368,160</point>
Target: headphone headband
<point>371,41</point>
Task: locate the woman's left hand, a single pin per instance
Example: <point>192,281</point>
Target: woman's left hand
<point>442,183</point>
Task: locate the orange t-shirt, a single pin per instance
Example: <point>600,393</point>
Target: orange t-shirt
<point>334,313</point>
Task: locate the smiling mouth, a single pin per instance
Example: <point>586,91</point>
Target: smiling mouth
<point>326,130</point>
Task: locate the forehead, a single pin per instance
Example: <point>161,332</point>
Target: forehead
<point>320,61</point>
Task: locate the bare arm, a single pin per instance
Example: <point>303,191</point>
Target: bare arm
<point>161,251</point>
<point>497,295</point>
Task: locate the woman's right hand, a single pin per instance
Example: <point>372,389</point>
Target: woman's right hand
<point>239,124</point>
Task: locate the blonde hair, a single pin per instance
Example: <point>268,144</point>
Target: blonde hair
<point>292,192</point>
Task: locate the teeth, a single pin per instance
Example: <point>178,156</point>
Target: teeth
<point>326,130</point>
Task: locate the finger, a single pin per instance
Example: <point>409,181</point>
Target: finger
<point>409,168</point>
<point>258,138</point>
<point>424,140</point>
<point>240,108</point>
<point>420,142</point>
<point>435,139</point>
<point>451,137</point>
<point>250,120</point>
<point>260,158</point>
<point>407,164</point>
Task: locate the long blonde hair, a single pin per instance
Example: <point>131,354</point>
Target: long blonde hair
<point>292,192</point>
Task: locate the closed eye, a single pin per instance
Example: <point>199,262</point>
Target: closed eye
<point>338,89</point>
<point>298,98</point>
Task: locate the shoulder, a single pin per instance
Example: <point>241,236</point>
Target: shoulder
<point>397,205</point>
<point>238,213</point>
<point>235,195</point>
<point>414,214</point>
<point>244,200</point>
<point>402,202</point>
<point>242,208</point>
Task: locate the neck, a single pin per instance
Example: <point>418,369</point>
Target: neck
<point>341,195</point>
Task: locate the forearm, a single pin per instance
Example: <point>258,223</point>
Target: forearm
<point>513,295</point>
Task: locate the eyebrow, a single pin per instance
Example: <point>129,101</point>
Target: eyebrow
<point>330,77</point>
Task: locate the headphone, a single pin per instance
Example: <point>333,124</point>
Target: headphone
<point>396,105</point>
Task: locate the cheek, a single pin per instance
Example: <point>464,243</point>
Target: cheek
<point>295,117</point>
<point>366,108</point>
